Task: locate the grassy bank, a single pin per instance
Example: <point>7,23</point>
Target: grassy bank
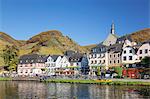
<point>101,82</point>
<point>5,79</point>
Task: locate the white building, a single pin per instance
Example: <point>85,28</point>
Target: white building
<point>52,62</point>
<point>144,50</point>
<point>64,62</point>
<point>129,56</point>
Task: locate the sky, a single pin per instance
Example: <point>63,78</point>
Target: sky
<point>85,21</point>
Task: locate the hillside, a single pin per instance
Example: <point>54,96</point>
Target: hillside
<point>141,36</point>
<point>88,47</point>
<point>54,42</point>
<point>6,39</point>
<point>50,42</point>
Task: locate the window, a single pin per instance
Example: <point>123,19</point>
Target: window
<point>91,62</point>
<point>125,52</point>
<point>104,61</point>
<point>95,62</point>
<point>77,64</point>
<point>140,51</point>
<point>146,51</point>
<point>130,51</point>
<point>95,55</point>
<point>114,61</point>
<point>118,61</point>
<point>21,61</point>
<point>140,58</point>
<point>124,58</point>
<point>118,55</point>
<point>100,61</point>
<point>99,55</point>
<point>130,57</point>
<point>114,56</point>
<point>110,62</point>
<point>110,56</point>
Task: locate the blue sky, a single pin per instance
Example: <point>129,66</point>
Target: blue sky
<point>85,21</point>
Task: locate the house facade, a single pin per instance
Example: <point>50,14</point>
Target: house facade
<point>62,68</point>
<point>31,65</point>
<point>114,55</point>
<point>144,50</point>
<point>129,56</point>
<point>98,58</point>
<point>52,63</point>
<point>78,63</point>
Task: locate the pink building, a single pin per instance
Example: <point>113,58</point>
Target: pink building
<point>31,65</point>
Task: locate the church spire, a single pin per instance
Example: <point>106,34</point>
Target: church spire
<point>112,28</point>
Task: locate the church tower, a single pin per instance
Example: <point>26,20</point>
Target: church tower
<point>112,38</point>
<point>112,28</point>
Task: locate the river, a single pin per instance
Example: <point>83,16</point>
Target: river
<point>41,90</point>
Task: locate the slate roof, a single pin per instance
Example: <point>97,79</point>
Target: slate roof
<point>32,58</point>
<point>100,48</point>
<point>77,57</point>
<point>54,57</point>
<point>123,38</point>
<point>115,48</point>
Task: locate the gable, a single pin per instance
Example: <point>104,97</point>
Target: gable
<point>110,40</point>
<point>49,59</point>
<point>65,59</point>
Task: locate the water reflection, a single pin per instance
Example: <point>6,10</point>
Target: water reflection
<point>37,90</point>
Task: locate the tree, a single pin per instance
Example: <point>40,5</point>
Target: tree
<point>146,62</point>
<point>10,56</point>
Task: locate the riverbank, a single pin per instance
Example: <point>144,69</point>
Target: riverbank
<point>102,82</point>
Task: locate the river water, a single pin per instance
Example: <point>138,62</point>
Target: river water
<point>41,90</point>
